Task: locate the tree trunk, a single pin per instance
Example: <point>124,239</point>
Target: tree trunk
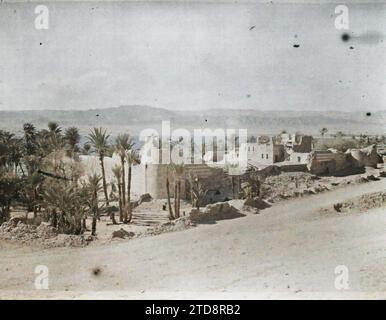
<point>120,201</point>
<point>104,180</point>
<point>93,226</point>
<point>84,226</point>
<point>179,198</point>
<point>112,217</point>
<point>197,197</point>
<point>35,207</point>
<point>175,200</point>
<point>95,214</point>
<point>128,211</point>
<point>171,217</point>
<point>123,182</point>
<point>54,222</point>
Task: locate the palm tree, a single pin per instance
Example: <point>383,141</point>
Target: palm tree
<point>178,172</point>
<point>323,131</point>
<point>123,144</point>
<point>133,159</point>
<point>117,170</point>
<point>68,201</point>
<point>171,215</point>
<point>53,136</point>
<point>30,144</point>
<point>198,192</point>
<point>11,151</point>
<point>86,149</point>
<point>94,187</point>
<point>54,128</point>
<point>99,140</point>
<point>34,184</point>
<point>72,138</point>
<point>9,191</point>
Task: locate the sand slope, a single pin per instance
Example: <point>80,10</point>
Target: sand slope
<point>290,250</point>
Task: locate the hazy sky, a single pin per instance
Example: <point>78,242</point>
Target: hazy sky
<point>192,56</point>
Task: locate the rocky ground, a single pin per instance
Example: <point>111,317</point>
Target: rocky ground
<point>359,204</point>
<point>44,235</point>
<point>152,218</point>
<point>289,250</point>
<point>296,184</point>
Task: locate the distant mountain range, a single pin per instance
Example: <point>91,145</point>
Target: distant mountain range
<point>134,118</point>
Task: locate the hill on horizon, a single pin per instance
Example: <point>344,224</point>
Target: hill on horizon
<point>134,118</point>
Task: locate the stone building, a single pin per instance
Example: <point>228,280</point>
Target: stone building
<point>264,153</point>
<point>333,162</point>
<point>219,185</point>
<point>368,156</point>
<point>284,147</point>
<point>295,142</point>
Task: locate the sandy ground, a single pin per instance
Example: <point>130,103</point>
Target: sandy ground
<point>289,250</point>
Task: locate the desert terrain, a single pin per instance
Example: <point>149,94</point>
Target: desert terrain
<point>289,250</point>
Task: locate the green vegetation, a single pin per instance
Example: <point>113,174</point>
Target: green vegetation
<point>41,173</point>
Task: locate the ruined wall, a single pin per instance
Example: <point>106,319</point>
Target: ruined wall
<point>220,186</point>
<point>305,144</point>
<point>278,153</point>
<point>301,167</point>
<point>366,156</point>
<point>321,162</point>
<point>333,163</point>
<point>155,180</point>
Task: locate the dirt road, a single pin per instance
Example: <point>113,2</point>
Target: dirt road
<point>290,250</point>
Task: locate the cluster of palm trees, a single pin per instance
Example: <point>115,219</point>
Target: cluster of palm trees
<point>40,171</point>
<point>25,159</point>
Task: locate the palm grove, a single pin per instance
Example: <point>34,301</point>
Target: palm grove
<point>41,172</point>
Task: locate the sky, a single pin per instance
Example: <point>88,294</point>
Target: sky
<point>190,56</point>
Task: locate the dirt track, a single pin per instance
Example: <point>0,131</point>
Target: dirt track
<point>289,250</point>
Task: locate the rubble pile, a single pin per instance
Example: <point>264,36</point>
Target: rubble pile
<point>122,234</point>
<point>214,212</point>
<point>291,184</point>
<point>179,224</point>
<point>362,203</point>
<point>43,235</point>
<point>255,205</point>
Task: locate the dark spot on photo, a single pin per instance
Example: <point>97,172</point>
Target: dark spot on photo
<point>206,120</point>
<point>41,43</point>
<point>97,115</point>
<point>351,47</point>
<point>248,95</point>
<point>368,114</point>
<point>345,37</point>
<point>251,28</point>
<point>96,271</point>
<point>296,46</point>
